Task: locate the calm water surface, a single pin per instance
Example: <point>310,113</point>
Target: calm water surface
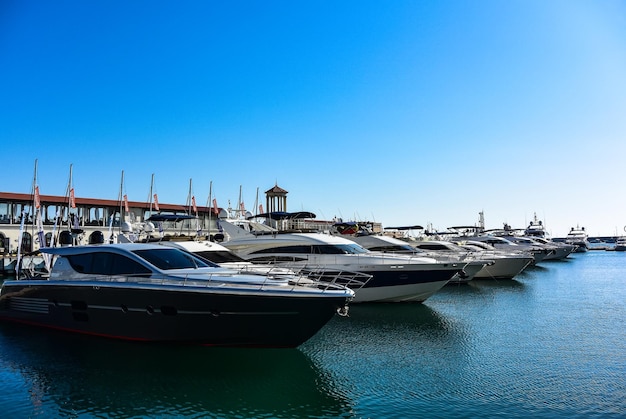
<point>551,343</point>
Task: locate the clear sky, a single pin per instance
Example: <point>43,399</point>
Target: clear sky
<point>401,112</point>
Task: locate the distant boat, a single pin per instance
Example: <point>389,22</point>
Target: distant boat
<point>620,244</point>
<point>579,238</point>
<point>536,229</point>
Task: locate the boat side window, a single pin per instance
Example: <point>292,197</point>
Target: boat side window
<point>392,248</point>
<point>305,249</point>
<point>121,265</point>
<point>276,259</point>
<point>327,249</point>
<point>219,256</point>
<point>106,264</point>
<point>430,246</point>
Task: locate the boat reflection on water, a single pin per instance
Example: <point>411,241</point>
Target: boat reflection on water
<point>374,328</point>
<point>486,285</point>
<point>68,375</point>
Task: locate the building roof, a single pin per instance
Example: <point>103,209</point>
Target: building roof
<point>276,190</point>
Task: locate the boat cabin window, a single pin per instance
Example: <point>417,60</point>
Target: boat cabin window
<point>394,248</point>
<point>167,259</point>
<point>104,263</point>
<point>322,249</point>
<point>304,249</point>
<point>276,259</point>
<point>219,256</point>
<point>431,246</point>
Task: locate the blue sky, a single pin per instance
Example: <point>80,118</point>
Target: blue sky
<point>402,112</point>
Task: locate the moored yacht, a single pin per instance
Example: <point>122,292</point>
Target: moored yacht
<point>579,238</point>
<point>503,265</point>
<point>536,229</point>
<point>226,258</point>
<point>148,292</point>
<point>514,244</point>
<point>620,244</point>
<point>380,243</point>
<point>559,250</point>
<point>394,278</point>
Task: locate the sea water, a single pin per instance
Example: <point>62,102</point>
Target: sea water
<point>551,343</point>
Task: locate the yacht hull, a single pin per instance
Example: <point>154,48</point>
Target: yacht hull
<point>402,283</point>
<point>469,272</point>
<point>189,315</point>
<point>504,268</point>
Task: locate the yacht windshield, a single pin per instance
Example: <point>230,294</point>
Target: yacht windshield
<point>351,249</point>
<point>167,259</point>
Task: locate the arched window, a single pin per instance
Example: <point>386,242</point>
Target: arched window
<point>48,239</point>
<point>27,242</point>
<point>4,243</point>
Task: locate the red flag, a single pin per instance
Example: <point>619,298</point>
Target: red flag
<point>37,201</point>
<point>260,208</point>
<point>215,210</point>
<point>72,200</point>
<point>156,202</point>
<point>126,203</point>
<point>193,204</point>
<point>242,207</point>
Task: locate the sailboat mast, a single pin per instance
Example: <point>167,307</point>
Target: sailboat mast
<point>239,210</point>
<point>189,199</point>
<point>256,202</point>
<point>189,202</point>
<point>33,192</point>
<point>121,199</point>
<point>69,198</point>
<point>150,195</point>
<point>208,205</point>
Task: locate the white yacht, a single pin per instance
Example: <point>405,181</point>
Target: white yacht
<point>381,243</point>
<point>579,238</point>
<point>394,278</point>
<point>514,244</point>
<point>504,265</point>
<point>536,231</point>
<point>224,257</point>
<point>559,250</point>
<point>620,244</point>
